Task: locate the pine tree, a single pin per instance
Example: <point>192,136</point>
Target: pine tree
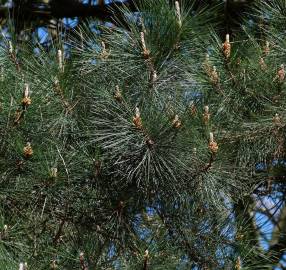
<point>154,143</point>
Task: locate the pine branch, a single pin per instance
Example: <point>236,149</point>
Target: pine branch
<point>242,210</point>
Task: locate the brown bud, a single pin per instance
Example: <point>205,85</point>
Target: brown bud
<point>146,254</point>
<point>18,116</point>
<point>117,94</point>
<point>262,64</point>
<point>238,264</point>
<point>193,109</point>
<point>214,76</point>
<point>213,146</point>
<point>177,122</point>
<point>104,53</point>
<point>27,150</point>
<point>54,172</point>
<point>207,66</point>
<point>266,48</point>
<point>226,47</point>
<point>277,120</point>
<point>137,121</point>
<point>206,115</point>
<point>281,73</point>
<point>26,101</point>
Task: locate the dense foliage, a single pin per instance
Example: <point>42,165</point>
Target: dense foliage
<point>154,143</point>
